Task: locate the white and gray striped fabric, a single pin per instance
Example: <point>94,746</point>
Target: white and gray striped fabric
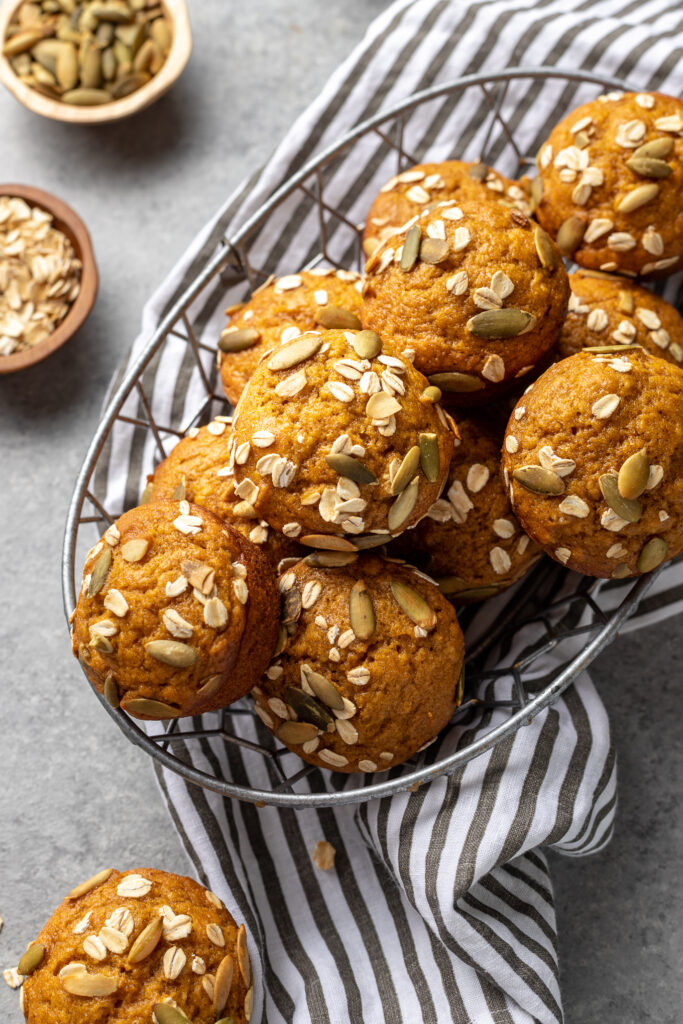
<point>440,907</point>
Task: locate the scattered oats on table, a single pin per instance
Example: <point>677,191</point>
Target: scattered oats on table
<point>40,275</point>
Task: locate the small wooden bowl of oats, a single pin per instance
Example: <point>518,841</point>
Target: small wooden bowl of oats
<point>48,275</point>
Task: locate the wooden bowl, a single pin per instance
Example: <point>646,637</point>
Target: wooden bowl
<point>160,83</point>
<point>68,221</point>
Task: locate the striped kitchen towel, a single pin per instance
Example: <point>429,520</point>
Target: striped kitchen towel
<point>440,905</point>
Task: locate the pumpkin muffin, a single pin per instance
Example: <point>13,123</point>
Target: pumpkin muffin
<point>605,310</point>
<point>198,470</point>
<point>177,613</point>
<point>138,946</point>
<point>337,441</point>
<point>369,668</point>
<point>279,311</point>
<point>593,457</point>
<point>470,541</point>
<point>610,184</point>
<point>417,189</point>
<point>476,292</point>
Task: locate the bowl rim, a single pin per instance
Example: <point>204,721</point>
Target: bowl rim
<point>117,110</point>
<point>66,220</point>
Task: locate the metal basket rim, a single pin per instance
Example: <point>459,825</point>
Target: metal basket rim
<point>524,715</point>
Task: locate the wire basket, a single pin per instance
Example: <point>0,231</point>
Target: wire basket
<point>551,610</point>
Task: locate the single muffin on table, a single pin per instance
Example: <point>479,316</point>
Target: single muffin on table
<point>610,184</point>
<point>420,187</point>
<point>470,541</point>
<point>177,613</point>
<point>133,946</point>
<point>369,663</point>
<point>279,311</point>
<point>606,310</point>
<point>593,457</point>
<point>475,292</point>
<point>337,441</point>
<point>198,469</point>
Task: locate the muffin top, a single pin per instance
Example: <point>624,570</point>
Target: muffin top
<point>470,541</point>
<point>476,291</point>
<point>606,310</point>
<point>593,456</point>
<point>198,470</point>
<point>279,311</point>
<point>369,664</point>
<point>141,945</point>
<point>611,181</point>
<point>337,437</point>
<point>161,617</point>
<point>418,188</point>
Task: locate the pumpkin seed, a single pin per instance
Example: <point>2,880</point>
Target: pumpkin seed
<point>223,983</point>
<point>129,83</point>
<point>456,382</point>
<point>291,606</point>
<point>460,686</point>
<point>155,709</point>
<point>296,352</point>
<point>625,303</point>
<point>536,193</point>
<point>179,491</point>
<point>146,495</point>
<point>330,559</point>
<point>411,248</point>
<point>649,167</point>
<point>433,250</point>
<point>498,324</point>
<point>100,572</point>
<point>406,471</point>
<point>620,572</point>
<point>630,510</point>
<point>32,959</point>
<point>432,394</point>
<point>544,249</point>
<point>86,97</point>
<point>93,986</point>
<point>652,555</point>
<point>402,508</point>
<point>655,148</point>
<point>281,641</point>
<point>637,197</point>
<point>147,941</point>
<point>108,64</point>
<point>361,611</point>
<point>327,541</point>
<point>23,41</point>
<point>91,883</point>
<point>164,1013</point>
<point>570,234</point>
<point>371,540</point>
<point>116,12</point>
<point>67,67</point>
<point>352,469</point>
<point>479,171</point>
<point>243,956</point>
<point>84,655</point>
<point>449,584</point>
<point>111,691</point>
<point>308,708</point>
<point>477,593</point>
<point>413,604</point>
<point>336,318</point>
<point>296,733</point>
<point>325,690</point>
<point>91,66</point>
<point>539,480</point>
<point>634,474</point>
<point>172,652</point>
<point>102,644</point>
<point>609,348</point>
<point>134,550</point>
<point>366,344</point>
<point>144,58</point>
<point>209,687</point>
<point>430,459</point>
<point>239,341</point>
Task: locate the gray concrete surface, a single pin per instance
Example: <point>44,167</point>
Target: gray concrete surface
<point>74,795</point>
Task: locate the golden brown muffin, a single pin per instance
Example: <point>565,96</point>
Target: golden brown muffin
<point>611,181</point>
<point>412,191</point>
<point>470,541</point>
<point>198,469</point>
<point>336,437</point>
<point>475,291</point>
<point>613,311</point>
<point>593,456</point>
<point>177,613</point>
<point>278,312</point>
<point>138,947</point>
<point>370,664</point>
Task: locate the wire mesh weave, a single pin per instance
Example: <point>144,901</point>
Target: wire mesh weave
<point>561,611</point>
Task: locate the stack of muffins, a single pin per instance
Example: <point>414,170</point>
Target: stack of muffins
<point>409,441</point>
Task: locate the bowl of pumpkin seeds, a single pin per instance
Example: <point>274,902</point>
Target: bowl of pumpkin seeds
<point>92,61</point>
